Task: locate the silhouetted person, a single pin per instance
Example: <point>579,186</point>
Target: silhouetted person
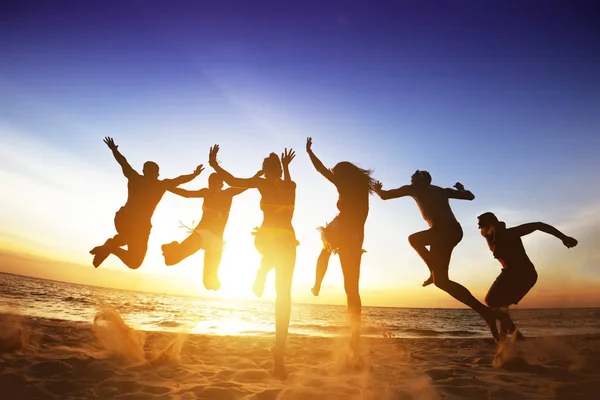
<point>133,220</point>
<point>345,234</point>
<point>444,234</point>
<point>518,273</point>
<point>275,240</point>
<point>208,234</point>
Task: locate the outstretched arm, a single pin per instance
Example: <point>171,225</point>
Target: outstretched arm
<point>323,170</point>
<point>402,191</point>
<point>188,193</point>
<point>244,183</point>
<point>180,180</point>
<point>459,192</point>
<point>526,229</point>
<point>127,170</point>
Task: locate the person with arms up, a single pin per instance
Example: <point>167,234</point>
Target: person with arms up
<point>133,220</point>
<point>345,234</point>
<point>275,240</point>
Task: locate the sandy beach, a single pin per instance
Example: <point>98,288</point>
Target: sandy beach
<point>54,359</point>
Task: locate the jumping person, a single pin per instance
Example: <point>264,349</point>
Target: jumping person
<point>345,234</point>
<point>275,240</point>
<point>133,220</point>
<point>518,274</point>
<point>208,234</point>
<point>444,234</point>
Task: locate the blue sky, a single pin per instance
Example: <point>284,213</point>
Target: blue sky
<point>504,98</point>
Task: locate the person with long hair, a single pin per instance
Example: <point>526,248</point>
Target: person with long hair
<point>208,234</point>
<point>443,236</point>
<point>518,274</point>
<point>344,235</point>
<point>133,220</point>
<point>275,240</point>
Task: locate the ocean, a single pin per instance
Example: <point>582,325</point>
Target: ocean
<point>163,312</point>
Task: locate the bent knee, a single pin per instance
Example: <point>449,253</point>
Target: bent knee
<point>136,260</point>
<point>441,282</point>
<point>135,264</point>
<point>415,240</point>
<point>493,301</point>
<point>412,240</point>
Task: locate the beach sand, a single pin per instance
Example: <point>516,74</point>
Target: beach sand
<point>55,359</point>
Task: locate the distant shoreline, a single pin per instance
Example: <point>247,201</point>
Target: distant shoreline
<point>267,301</point>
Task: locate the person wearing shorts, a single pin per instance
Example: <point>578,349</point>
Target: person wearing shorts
<point>518,274</point>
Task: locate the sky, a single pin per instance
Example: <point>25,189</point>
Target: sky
<point>503,97</point>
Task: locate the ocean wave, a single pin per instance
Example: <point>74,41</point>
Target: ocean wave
<point>433,332</point>
<point>385,331</point>
<point>314,327</point>
<point>168,324</point>
<point>367,330</point>
<point>79,300</point>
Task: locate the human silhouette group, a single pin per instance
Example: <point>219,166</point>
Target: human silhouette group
<point>276,241</point>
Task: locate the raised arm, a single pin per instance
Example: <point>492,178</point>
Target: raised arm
<point>402,191</point>
<point>127,170</point>
<point>180,180</point>
<point>244,183</point>
<point>323,170</point>
<point>526,229</point>
<point>459,193</point>
<point>286,159</point>
<point>188,193</point>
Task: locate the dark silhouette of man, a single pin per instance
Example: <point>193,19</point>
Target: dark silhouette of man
<point>444,234</point>
<point>133,220</point>
<point>518,274</point>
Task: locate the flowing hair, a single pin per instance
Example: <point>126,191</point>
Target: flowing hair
<point>348,174</point>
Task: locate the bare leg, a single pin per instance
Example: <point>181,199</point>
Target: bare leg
<point>419,241</point>
<point>101,253</point>
<point>507,326</point>
<point>284,272</point>
<point>212,259</point>
<point>322,263</point>
<point>440,256</point>
<point>175,252</point>
<point>266,265</point>
<point>134,256</point>
<point>350,261</point>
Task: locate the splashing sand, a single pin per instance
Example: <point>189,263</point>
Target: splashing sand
<point>117,337</point>
<point>13,336</point>
<point>69,365</point>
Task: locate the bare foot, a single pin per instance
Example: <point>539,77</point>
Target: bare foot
<point>259,283</point>
<point>101,253</point>
<point>96,250</point>
<point>167,250</point>
<point>428,281</point>
<point>316,290</point>
<point>99,257</point>
<point>279,370</point>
